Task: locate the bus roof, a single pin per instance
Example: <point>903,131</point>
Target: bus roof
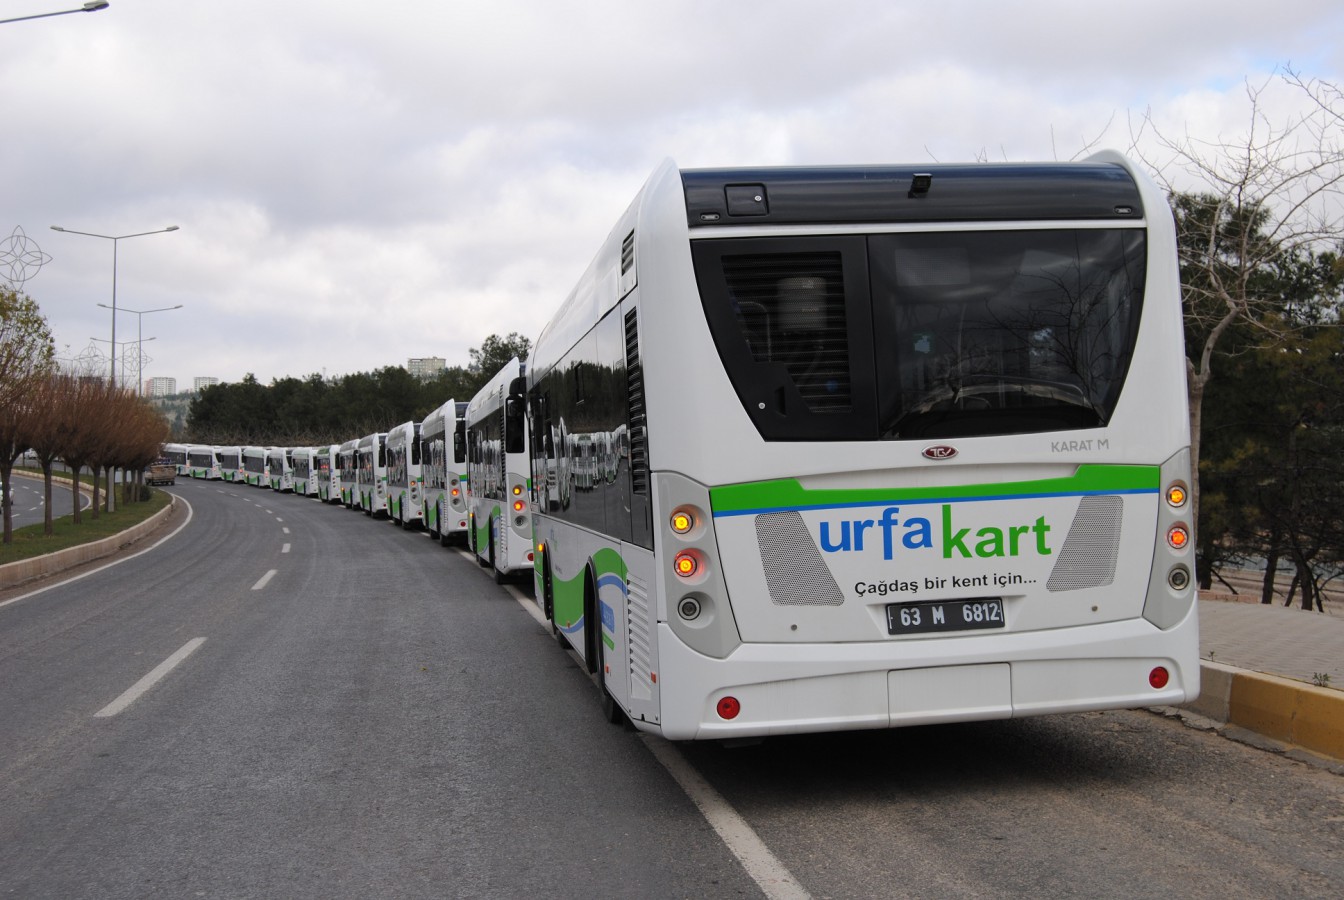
<point>981,192</point>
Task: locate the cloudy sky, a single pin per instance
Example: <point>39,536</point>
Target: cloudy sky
<point>357,183</point>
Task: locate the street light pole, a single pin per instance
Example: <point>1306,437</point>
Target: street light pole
<point>139,321</point>
<point>114,238</point>
<point>90,6</point>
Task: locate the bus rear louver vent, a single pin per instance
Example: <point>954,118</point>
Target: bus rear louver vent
<point>1091,548</point>
<point>634,385</point>
<point>795,573</point>
<point>791,309</point>
<point>627,252</point>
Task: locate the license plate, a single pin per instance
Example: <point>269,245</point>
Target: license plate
<point>944,615</point>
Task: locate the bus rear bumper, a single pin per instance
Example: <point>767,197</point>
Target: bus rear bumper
<point>799,688</point>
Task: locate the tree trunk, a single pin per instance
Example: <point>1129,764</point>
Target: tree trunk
<point>6,478</point>
<point>1271,572</point>
<point>47,525</point>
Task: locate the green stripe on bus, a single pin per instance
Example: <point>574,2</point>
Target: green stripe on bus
<point>787,494</point>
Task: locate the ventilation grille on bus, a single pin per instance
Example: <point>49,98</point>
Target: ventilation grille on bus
<point>627,252</point>
<point>634,385</point>
<point>791,309</point>
<point>1091,547</point>
<point>640,638</point>
<point>794,571</point>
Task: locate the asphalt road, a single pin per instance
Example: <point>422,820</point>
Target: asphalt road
<point>357,712</point>
<point>29,501</point>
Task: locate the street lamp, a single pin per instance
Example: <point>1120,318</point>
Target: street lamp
<point>113,373</point>
<point>114,238</point>
<point>91,6</point>
<point>139,320</point>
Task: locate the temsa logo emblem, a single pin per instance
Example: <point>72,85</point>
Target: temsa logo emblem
<point>942,451</point>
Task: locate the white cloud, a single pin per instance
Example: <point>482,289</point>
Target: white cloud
<point>359,183</point>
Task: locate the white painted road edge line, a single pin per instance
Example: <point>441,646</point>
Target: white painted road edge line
<point>163,540</point>
<point>284,548</point>
<point>262,581</point>
<point>761,864</point>
<point>133,693</point>
<point>756,858</point>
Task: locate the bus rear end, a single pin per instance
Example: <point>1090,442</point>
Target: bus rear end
<point>935,463</point>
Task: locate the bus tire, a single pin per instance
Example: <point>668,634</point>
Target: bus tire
<point>500,577</point>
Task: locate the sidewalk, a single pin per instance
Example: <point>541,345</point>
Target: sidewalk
<point>1275,671</point>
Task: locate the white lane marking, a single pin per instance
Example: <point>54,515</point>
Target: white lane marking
<point>285,529</point>
<point>144,684</point>
<point>263,580</point>
<point>278,519</point>
<point>284,548</point>
<point>756,858</point>
<point>163,540</point>
<point>761,864</point>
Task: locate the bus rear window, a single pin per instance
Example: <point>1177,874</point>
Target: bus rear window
<point>925,335</point>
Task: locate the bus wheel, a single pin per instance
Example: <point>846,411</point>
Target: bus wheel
<point>611,710</point>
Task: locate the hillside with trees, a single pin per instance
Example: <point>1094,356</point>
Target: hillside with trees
<point>296,412</point>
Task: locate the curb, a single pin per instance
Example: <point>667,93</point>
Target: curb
<point>1282,709</point>
<point>16,573</point>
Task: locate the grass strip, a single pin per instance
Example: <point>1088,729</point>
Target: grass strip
<point>29,541</point>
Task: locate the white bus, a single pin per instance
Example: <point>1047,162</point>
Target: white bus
<point>327,472</point>
<point>841,448</point>
<point>280,468</point>
<point>231,464</point>
<point>371,474</point>
<point>203,461</point>
<point>255,470</point>
<point>405,484</point>
<point>499,522</point>
<point>177,455</point>
<point>348,462</point>
<point>443,457</point>
<point>305,471</point>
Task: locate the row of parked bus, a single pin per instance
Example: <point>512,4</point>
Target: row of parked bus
<point>414,474</point>
<point>834,448</point>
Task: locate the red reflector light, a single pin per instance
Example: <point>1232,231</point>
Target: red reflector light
<point>728,708</point>
<point>1159,677</point>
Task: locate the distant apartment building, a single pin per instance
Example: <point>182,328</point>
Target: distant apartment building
<point>160,387</point>
<point>426,367</point>
<point>201,381</point>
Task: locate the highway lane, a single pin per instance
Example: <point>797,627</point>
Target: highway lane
<point>334,736</point>
<point>376,718</point>
<point>29,501</point>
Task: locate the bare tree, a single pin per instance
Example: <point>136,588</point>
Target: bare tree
<point>27,356</point>
<point>1252,202</point>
